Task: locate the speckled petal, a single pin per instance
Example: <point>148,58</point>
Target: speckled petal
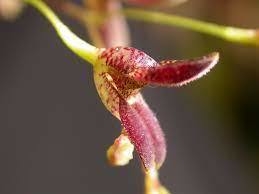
<point>107,91</point>
<point>176,72</point>
<point>125,59</point>
<point>152,124</point>
<point>138,133</point>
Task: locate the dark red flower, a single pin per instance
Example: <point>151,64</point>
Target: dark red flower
<point>119,75</point>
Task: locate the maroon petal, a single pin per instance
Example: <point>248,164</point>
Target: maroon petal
<point>176,72</point>
<point>154,128</point>
<point>138,133</point>
<point>125,60</point>
<point>144,131</point>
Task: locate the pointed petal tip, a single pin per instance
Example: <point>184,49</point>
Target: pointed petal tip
<point>213,57</point>
<point>206,62</point>
<point>174,73</point>
<point>209,61</point>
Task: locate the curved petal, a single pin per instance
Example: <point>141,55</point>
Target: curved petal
<point>125,59</point>
<point>144,131</point>
<point>107,91</point>
<point>176,72</point>
<point>138,133</point>
<point>152,124</point>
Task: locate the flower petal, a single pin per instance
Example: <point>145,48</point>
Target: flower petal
<point>138,133</point>
<point>176,72</point>
<point>125,59</point>
<point>152,124</point>
<point>144,131</point>
<point>107,91</point>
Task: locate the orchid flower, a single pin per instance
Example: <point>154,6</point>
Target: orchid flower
<point>121,72</point>
<point>119,75</point>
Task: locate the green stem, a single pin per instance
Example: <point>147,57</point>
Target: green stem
<point>73,42</point>
<point>238,35</point>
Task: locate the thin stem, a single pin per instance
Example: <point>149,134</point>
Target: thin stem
<point>73,42</point>
<point>238,35</point>
<point>87,19</point>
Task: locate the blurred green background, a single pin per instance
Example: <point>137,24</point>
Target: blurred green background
<point>54,131</point>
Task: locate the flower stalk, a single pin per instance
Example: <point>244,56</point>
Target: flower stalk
<point>73,42</point>
<point>232,34</point>
<point>228,33</point>
<point>152,183</point>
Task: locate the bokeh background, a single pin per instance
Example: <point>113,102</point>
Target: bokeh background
<point>54,130</point>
